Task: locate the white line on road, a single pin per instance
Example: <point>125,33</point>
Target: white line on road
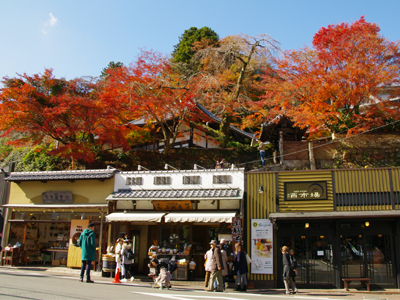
<point>186,297</point>
<point>279,296</point>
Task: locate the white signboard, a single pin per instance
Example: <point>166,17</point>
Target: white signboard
<point>261,246</point>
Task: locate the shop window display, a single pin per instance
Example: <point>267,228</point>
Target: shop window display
<point>43,235</point>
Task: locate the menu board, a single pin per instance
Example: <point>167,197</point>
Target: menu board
<point>261,246</point>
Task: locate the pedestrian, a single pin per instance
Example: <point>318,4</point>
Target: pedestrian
<point>222,247</point>
<point>241,269</point>
<point>172,266</point>
<point>87,242</point>
<point>153,267</point>
<point>126,259</point>
<point>207,266</point>
<point>261,147</point>
<point>216,268</point>
<point>293,270</point>
<point>286,268</point>
<point>163,273</point>
<point>117,251</point>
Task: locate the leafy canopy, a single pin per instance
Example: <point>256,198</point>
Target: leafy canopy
<point>339,84</point>
<point>184,50</point>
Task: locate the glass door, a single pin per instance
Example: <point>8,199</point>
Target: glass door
<point>314,259</point>
<point>368,256</point>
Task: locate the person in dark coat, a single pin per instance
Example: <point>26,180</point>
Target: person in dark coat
<point>293,267</point>
<point>216,268</point>
<point>87,242</point>
<point>241,269</point>
<point>286,268</point>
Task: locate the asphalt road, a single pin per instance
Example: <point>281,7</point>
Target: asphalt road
<point>31,285</point>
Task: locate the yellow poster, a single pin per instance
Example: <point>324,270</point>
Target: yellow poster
<point>74,253</point>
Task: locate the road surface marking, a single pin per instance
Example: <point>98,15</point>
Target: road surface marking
<point>186,297</point>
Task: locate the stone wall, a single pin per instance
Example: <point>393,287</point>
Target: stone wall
<point>361,151</point>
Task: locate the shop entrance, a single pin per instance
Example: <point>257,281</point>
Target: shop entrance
<point>314,258</point>
<point>368,256</point>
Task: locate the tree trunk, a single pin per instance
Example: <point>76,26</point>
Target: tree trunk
<point>225,129</point>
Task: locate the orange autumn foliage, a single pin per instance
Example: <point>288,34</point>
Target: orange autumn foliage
<point>343,83</point>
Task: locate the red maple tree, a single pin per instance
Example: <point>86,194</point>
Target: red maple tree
<point>149,90</point>
<point>43,109</point>
<point>340,83</point>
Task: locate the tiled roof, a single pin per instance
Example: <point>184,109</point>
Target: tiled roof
<point>186,194</point>
<point>218,120</point>
<point>61,175</point>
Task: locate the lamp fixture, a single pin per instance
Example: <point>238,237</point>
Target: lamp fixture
<point>307,225</point>
<point>139,167</point>
<point>261,189</point>
<point>213,202</point>
<point>366,224</point>
<point>167,166</point>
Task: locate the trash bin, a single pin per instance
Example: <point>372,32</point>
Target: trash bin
<point>108,265</point>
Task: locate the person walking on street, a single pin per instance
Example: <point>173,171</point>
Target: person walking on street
<point>286,268</point>
<point>117,251</point>
<point>293,271</point>
<point>126,259</point>
<point>241,269</point>
<point>208,257</point>
<point>87,242</point>
<point>222,246</point>
<point>216,268</point>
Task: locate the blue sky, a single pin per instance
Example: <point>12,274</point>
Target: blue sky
<point>80,38</point>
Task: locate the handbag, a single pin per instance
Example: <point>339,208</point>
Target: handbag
<point>248,259</point>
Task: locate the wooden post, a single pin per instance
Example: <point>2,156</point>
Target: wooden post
<point>99,266</point>
<point>311,155</point>
<point>281,146</point>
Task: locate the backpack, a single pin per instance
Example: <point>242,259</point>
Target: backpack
<point>129,254</point>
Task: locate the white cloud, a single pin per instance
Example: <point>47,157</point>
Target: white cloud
<point>53,21</point>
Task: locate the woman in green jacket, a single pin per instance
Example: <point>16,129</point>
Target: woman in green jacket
<point>87,242</point>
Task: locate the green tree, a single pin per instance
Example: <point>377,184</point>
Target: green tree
<point>111,65</point>
<point>184,50</point>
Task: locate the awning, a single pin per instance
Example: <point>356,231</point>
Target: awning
<point>135,217</point>
<point>334,215</point>
<point>200,217</point>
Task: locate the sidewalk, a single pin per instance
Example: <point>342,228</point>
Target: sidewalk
<point>199,284</point>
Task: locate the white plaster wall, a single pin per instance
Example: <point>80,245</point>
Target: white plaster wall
<point>177,179</point>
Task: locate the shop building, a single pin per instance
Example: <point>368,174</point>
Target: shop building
<point>180,211</point>
<point>47,211</point>
<point>341,224</point>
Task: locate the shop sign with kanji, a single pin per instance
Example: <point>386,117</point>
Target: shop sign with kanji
<point>315,190</point>
<point>57,197</point>
<point>173,205</point>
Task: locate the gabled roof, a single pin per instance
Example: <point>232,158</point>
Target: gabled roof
<point>270,130</point>
<point>218,120</point>
<point>61,175</point>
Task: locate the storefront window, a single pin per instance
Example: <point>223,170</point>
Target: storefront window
<point>175,236</point>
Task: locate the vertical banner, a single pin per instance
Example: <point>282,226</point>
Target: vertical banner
<point>261,246</point>
<point>237,231</point>
<point>74,253</point>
